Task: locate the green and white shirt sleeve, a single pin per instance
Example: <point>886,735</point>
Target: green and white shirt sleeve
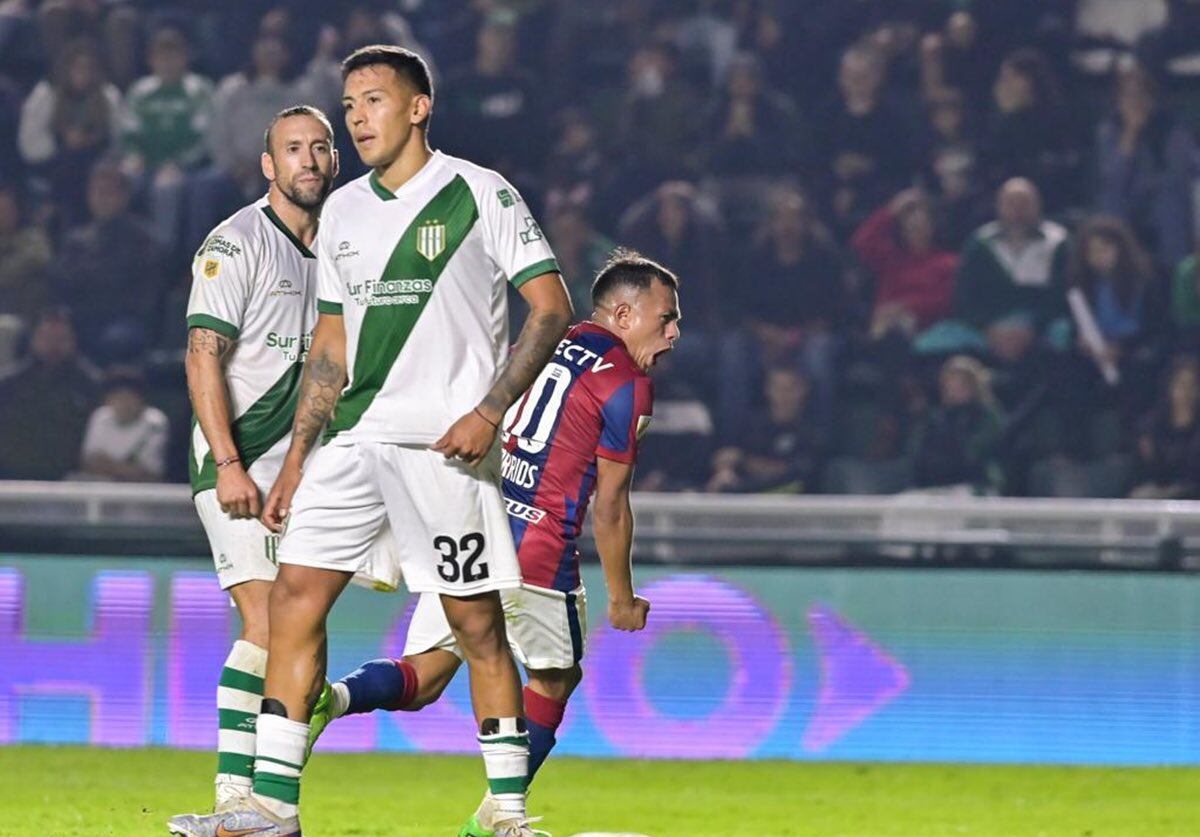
<point>512,237</point>
<point>222,282</point>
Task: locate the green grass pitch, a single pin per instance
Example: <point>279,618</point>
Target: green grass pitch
<point>69,791</point>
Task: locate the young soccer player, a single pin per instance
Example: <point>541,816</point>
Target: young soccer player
<point>411,339</point>
<point>573,433</point>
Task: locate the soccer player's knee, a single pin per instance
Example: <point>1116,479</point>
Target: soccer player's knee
<point>292,597</point>
<point>481,637</point>
<point>556,684</point>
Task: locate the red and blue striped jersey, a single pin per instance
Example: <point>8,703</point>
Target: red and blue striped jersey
<point>590,401</point>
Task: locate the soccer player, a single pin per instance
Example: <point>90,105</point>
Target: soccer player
<point>410,345</point>
<point>574,431</point>
<point>251,313</point>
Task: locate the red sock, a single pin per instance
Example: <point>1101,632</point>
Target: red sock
<point>542,717</point>
<point>409,673</point>
<point>543,711</point>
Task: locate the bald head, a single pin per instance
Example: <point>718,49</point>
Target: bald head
<point>1019,206</point>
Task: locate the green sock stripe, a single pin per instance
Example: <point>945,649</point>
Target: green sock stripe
<point>234,679</point>
<point>520,740</point>
<point>513,784</point>
<point>235,720</point>
<point>283,788</point>
<point>281,761</point>
<point>235,764</point>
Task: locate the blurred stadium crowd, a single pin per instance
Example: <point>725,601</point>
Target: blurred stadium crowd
<point>935,244</point>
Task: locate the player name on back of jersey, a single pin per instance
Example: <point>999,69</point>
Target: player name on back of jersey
<point>581,356</point>
<point>517,471</point>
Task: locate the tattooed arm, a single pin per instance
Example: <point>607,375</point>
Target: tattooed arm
<point>207,352</point>
<point>471,436</point>
<point>320,385</point>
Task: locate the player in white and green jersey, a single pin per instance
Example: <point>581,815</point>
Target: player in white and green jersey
<point>409,367</point>
<point>250,318</point>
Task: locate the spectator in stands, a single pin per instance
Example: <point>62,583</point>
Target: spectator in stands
<point>1118,281</point>
<point>1168,450</point>
<point>914,278</point>
<point>1026,135</point>
<point>950,169</point>
<point>675,226</point>
<point>958,57</point>
<point>126,438</point>
<point>1011,280</point>
<point>109,271</point>
<point>1147,167</point>
<point>370,23</point>
<point>658,124</point>
<point>754,127</point>
<point>576,163</point>
<point>253,97</point>
<point>25,255</point>
<point>495,103</point>
<point>780,449</point>
<point>45,403</point>
<point>165,123</point>
<point>67,123</point>
<point>580,249</point>
<point>864,141</point>
<point>775,33</point>
<point>791,306</point>
<point>957,442</point>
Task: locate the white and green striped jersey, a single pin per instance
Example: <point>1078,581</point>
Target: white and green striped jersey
<point>419,277</point>
<point>254,282</point>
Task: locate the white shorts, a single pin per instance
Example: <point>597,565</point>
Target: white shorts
<point>451,529</point>
<point>546,629</point>
<point>245,550</point>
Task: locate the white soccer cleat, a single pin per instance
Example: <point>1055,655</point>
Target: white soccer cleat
<point>242,820</point>
<point>519,828</point>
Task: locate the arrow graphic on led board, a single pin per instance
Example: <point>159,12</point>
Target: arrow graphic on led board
<point>858,678</point>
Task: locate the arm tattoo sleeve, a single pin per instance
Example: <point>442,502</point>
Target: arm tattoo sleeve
<point>204,341</point>
<point>539,337</point>
<point>320,387</point>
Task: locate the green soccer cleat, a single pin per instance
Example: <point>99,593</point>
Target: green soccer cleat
<point>474,828</point>
<point>483,823</point>
<point>322,714</point>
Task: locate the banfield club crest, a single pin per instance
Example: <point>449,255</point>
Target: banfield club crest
<point>431,239</point>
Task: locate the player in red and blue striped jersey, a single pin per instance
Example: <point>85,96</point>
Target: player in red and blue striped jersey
<point>590,403</point>
<point>569,442</point>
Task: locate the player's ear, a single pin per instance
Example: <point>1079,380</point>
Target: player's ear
<point>422,106</point>
<point>336,162</point>
<point>268,167</point>
<point>622,314</point>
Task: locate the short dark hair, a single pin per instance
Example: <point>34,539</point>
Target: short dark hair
<point>405,62</point>
<point>297,110</point>
<point>628,268</point>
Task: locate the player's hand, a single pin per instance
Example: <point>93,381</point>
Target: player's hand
<point>628,615</point>
<point>236,492</point>
<point>468,439</point>
<point>279,499</point>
